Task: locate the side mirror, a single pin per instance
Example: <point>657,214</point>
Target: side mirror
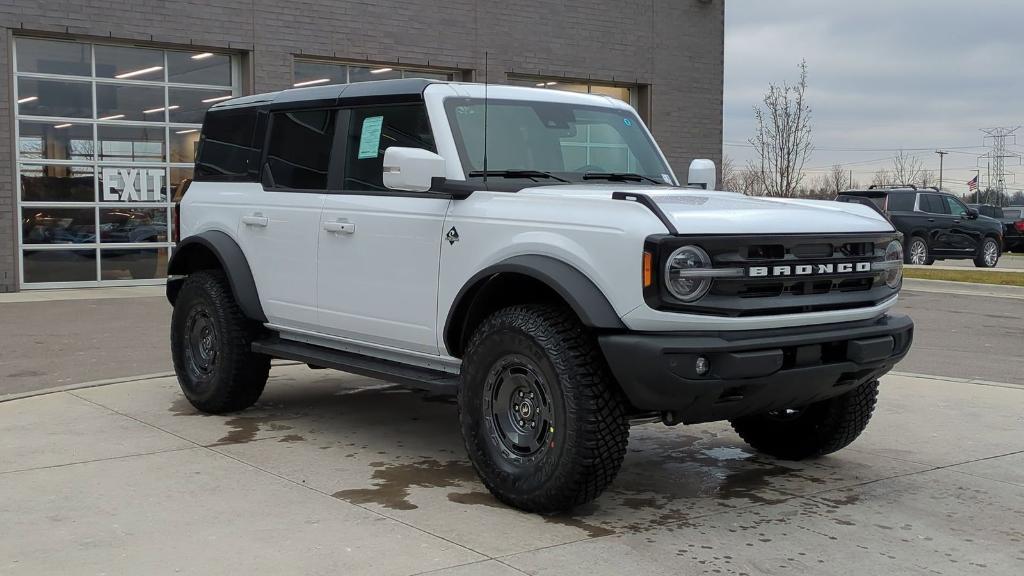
<point>972,213</point>
<point>411,169</point>
<point>702,174</point>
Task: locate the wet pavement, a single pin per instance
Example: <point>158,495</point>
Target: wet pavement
<point>334,473</point>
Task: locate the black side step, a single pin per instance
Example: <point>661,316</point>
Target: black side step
<point>413,376</point>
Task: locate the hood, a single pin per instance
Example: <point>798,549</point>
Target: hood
<point>712,212</point>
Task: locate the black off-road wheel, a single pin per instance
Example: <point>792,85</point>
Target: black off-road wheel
<point>543,420</point>
<point>988,257</point>
<point>811,431</point>
<point>211,347</point>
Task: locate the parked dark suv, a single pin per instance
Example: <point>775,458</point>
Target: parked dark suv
<point>935,225</point>
<point>1012,218</point>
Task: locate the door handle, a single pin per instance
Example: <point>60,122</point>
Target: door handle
<point>340,227</point>
<point>256,220</point>
<point>931,219</point>
<point>956,221</point>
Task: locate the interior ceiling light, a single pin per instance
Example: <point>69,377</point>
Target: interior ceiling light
<point>380,70</point>
<point>139,72</point>
<point>161,109</point>
<point>539,84</point>
<point>550,83</point>
<point>28,99</point>
<point>217,99</point>
<point>187,131</point>
<point>63,125</point>
<point>114,117</point>
<point>202,55</point>
<point>311,82</point>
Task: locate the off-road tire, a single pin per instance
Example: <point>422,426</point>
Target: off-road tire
<point>908,257</point>
<point>983,259</point>
<point>584,452</point>
<point>235,376</point>
<point>818,429</point>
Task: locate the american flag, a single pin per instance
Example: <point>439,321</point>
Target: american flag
<point>972,184</point>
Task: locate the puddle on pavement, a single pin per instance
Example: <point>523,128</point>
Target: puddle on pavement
<point>242,428</point>
<point>392,482</point>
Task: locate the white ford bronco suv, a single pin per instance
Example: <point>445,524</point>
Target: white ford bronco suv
<point>532,252</point>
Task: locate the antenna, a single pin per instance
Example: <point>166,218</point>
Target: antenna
<point>486,74</point>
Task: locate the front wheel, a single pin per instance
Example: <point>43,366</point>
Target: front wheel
<point>811,431</point>
<point>211,346</point>
<point>989,256</point>
<point>543,421</point>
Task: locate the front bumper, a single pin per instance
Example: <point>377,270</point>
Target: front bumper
<point>752,371</point>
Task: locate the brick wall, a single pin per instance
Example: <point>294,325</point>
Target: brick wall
<point>675,46</point>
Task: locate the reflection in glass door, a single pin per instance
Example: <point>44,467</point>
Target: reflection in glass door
<point>104,136</point>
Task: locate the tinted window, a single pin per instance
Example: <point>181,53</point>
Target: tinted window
<point>226,145</point>
<point>956,207</point>
<point>300,149</point>
<point>933,204</point>
<point>372,131</point>
<point>901,202</point>
<point>1015,213</point>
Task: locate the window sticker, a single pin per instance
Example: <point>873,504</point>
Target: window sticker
<point>369,140</point>
<point>627,121</point>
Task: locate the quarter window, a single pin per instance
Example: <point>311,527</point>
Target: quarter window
<point>901,202</point>
<point>225,146</point>
<point>374,130</point>
<point>300,149</point>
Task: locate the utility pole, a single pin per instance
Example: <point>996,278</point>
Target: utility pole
<point>942,156</point>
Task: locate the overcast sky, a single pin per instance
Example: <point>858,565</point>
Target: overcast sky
<point>883,75</point>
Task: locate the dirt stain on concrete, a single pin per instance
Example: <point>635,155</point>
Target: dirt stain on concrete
<point>392,482</point>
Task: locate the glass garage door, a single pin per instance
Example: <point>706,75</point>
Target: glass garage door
<point>104,135</point>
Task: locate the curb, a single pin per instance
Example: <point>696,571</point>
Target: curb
<point>92,384</point>
<point>972,381</point>
<point>963,288</point>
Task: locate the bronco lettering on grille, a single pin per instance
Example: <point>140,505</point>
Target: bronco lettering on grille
<point>808,269</point>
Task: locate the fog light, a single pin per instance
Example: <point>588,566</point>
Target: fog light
<point>702,366</point>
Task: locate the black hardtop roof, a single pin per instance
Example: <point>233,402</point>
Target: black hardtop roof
<point>373,92</point>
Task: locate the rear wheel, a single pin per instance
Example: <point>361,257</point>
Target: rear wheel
<point>811,431</point>
<point>543,421</point>
<point>211,346</point>
<point>918,252</point>
<point>989,255</point>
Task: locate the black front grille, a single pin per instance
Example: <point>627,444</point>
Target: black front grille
<point>781,294</point>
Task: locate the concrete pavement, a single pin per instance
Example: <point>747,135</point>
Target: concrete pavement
<point>333,473</point>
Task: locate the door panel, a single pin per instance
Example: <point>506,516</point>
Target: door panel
<point>379,250</point>
<point>279,237</point>
<point>964,233</point>
<point>378,261</point>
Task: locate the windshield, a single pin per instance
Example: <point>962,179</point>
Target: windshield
<point>568,141</point>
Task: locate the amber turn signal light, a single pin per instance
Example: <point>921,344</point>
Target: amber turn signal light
<point>647,269</point>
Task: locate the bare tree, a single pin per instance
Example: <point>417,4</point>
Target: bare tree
<point>906,168</point>
<point>748,182</point>
<point>782,137</point>
<point>882,177</point>
<point>729,175</point>
<point>927,179</point>
<point>838,179</point>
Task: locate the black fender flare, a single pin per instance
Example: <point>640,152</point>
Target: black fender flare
<point>231,259</point>
<point>575,288</point>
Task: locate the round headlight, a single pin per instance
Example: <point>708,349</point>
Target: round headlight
<point>894,264</point>
<point>680,283</point>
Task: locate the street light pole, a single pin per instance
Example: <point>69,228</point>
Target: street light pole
<point>942,156</point>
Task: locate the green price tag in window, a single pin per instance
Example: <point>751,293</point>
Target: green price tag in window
<point>369,140</point>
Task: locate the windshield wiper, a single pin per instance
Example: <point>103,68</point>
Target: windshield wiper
<point>531,174</point>
<point>621,177</point>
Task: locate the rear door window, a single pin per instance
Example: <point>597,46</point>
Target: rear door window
<point>299,149</point>
<point>373,130</point>
<point>932,204</point>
